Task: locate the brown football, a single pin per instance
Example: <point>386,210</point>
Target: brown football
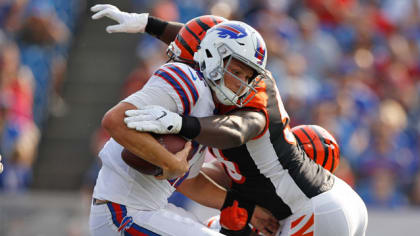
<point>172,142</point>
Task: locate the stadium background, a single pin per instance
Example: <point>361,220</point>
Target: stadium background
<point>351,66</point>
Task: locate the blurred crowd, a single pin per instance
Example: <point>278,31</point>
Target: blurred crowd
<point>351,66</point>
<point>35,38</point>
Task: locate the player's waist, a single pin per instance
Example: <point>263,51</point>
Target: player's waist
<point>139,192</point>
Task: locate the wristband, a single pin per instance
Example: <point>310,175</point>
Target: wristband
<point>155,26</point>
<point>190,127</point>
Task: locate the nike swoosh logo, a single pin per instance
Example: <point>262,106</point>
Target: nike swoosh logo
<point>163,115</point>
<point>192,75</point>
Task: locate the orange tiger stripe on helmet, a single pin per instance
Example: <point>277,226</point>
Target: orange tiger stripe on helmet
<point>332,144</point>
<point>319,145</point>
<point>189,37</point>
<point>306,142</point>
<point>321,150</point>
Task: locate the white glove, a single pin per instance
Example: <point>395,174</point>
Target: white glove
<point>155,119</point>
<point>1,166</point>
<point>128,22</point>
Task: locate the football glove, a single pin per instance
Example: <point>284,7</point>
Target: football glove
<point>128,22</point>
<point>154,119</point>
<point>234,217</point>
<point>235,214</point>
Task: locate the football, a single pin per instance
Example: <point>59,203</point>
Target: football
<point>172,142</point>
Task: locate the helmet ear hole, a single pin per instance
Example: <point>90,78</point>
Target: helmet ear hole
<point>208,54</point>
<point>203,66</point>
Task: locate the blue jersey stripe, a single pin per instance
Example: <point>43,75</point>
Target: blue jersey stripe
<point>181,179</point>
<point>177,181</point>
<point>114,217</point>
<point>140,230</point>
<point>187,80</point>
<point>144,230</point>
<point>178,88</point>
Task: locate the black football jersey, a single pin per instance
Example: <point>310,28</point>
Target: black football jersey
<point>272,169</point>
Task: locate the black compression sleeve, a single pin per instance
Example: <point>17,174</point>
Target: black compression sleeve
<point>155,26</point>
<point>245,231</point>
<point>190,127</point>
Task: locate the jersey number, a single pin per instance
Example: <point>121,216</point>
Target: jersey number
<point>231,168</point>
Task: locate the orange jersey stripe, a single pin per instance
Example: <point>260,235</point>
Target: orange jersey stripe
<point>305,227</point>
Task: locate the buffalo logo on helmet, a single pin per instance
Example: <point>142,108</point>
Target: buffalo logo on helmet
<point>233,31</point>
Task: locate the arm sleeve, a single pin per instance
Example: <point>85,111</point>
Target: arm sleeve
<point>163,30</point>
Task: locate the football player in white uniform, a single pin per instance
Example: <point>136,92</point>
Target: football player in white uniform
<point>128,202</point>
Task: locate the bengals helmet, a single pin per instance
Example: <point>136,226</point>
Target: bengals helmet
<point>189,38</point>
<point>319,145</point>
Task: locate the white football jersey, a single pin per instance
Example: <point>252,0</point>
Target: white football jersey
<point>180,89</point>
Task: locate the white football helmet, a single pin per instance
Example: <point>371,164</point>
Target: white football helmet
<point>227,40</point>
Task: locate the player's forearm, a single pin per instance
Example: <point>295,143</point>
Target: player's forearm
<point>139,143</point>
<point>204,191</point>
<point>227,131</point>
<point>166,31</point>
<point>220,132</point>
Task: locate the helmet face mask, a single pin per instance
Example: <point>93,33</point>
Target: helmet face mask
<point>227,40</point>
<point>225,95</point>
<point>173,52</point>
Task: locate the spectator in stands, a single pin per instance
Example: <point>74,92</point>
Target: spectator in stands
<point>42,37</point>
<point>26,75</point>
<point>11,15</point>
<point>382,188</point>
<point>20,135</point>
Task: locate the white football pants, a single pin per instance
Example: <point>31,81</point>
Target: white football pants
<point>113,219</point>
<point>338,212</point>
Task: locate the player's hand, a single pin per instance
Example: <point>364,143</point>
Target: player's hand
<point>180,168</point>
<point>234,217</point>
<point>1,166</point>
<point>154,119</point>
<point>264,221</point>
<point>127,22</point>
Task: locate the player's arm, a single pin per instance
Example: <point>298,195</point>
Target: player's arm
<point>143,144</point>
<point>236,212</point>
<point>166,31</point>
<point>203,190</point>
<point>225,131</point>
<point>220,131</point>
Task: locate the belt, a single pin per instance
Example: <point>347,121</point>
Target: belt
<point>99,201</point>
